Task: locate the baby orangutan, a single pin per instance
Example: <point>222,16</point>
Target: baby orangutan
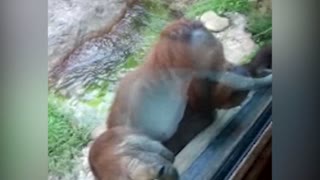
<point>124,154</point>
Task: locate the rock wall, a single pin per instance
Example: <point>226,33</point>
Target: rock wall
<point>71,22</point>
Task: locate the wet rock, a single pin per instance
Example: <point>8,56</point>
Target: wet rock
<point>97,59</point>
<point>71,22</point>
<point>214,22</point>
<point>237,42</point>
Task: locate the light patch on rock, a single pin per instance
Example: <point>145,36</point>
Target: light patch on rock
<point>237,42</point>
<point>214,22</point>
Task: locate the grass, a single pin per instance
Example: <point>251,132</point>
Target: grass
<point>260,25</point>
<point>219,6</point>
<point>155,6</point>
<point>65,140</point>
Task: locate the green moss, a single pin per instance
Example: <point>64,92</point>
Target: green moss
<point>95,86</point>
<point>65,139</point>
<point>94,102</point>
<point>103,90</point>
<point>131,62</point>
<point>92,87</point>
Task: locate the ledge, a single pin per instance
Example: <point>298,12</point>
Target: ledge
<point>222,150</point>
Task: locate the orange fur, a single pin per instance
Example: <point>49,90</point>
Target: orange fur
<point>184,49</point>
<point>171,51</point>
<point>125,154</point>
<point>130,149</point>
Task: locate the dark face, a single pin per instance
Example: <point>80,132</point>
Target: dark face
<point>205,50</point>
<point>181,30</point>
